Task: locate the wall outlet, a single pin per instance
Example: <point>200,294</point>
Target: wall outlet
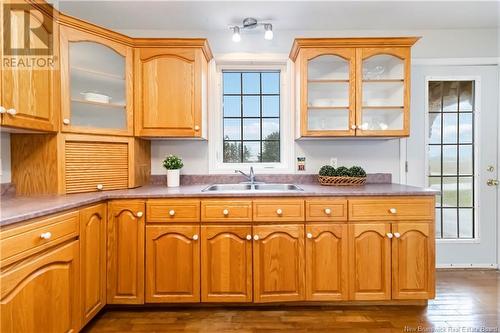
<point>333,162</point>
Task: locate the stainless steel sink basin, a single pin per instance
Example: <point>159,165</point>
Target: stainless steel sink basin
<point>251,187</point>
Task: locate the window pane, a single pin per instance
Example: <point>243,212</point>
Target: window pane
<point>465,192</point>
<point>450,223</point>
<point>251,129</point>
<point>450,128</point>
<point>232,152</point>
<point>251,106</point>
<point>270,151</point>
<point>232,129</point>
<point>435,96</point>
<point>449,192</point>
<point>251,151</point>
<point>465,129</point>
<point>232,106</point>
<point>465,156</point>
<point>466,220</point>
<point>435,184</point>
<point>270,129</point>
<point>465,96</point>
<point>270,106</point>
<point>434,160</point>
<point>270,83</point>
<point>232,83</point>
<point>450,160</point>
<point>434,128</point>
<point>450,96</point>
<point>438,223</point>
<point>251,83</point>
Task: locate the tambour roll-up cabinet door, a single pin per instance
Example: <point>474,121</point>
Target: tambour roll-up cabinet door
<point>92,166</point>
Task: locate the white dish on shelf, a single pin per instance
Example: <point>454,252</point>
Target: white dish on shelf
<point>96,97</point>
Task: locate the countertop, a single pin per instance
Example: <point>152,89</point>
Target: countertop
<point>18,209</point>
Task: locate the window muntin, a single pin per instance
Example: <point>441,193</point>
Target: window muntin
<point>251,116</point>
<point>451,157</point>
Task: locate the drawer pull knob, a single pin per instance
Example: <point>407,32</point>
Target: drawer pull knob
<point>393,210</point>
<point>171,212</point>
<point>256,237</point>
<point>99,187</point>
<point>225,212</point>
<point>195,237</point>
<point>309,235</point>
<point>46,235</point>
<point>66,121</point>
<point>197,128</point>
<point>2,109</point>
<point>279,211</point>
<point>12,112</point>
<point>328,211</point>
<point>139,214</point>
<point>249,237</point>
<point>397,234</point>
<point>389,235</point>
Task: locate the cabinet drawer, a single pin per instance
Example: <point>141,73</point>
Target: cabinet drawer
<point>226,210</point>
<point>173,210</point>
<point>326,210</point>
<point>278,210</point>
<point>401,208</point>
<point>23,241</point>
<point>94,166</point>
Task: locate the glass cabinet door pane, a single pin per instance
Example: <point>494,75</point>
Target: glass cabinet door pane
<point>328,120</point>
<point>383,93</point>
<point>383,67</point>
<point>382,119</point>
<point>97,85</point>
<point>331,94</point>
<point>328,67</point>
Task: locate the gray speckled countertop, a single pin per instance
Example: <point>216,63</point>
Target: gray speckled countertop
<point>17,209</point>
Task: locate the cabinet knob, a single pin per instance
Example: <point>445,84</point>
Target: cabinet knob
<point>139,214</point>
<point>2,109</point>
<point>309,235</point>
<point>197,128</point>
<point>225,212</point>
<point>397,234</point>
<point>195,237</point>
<point>353,127</point>
<point>66,121</point>
<point>279,211</point>
<point>256,237</point>
<point>46,235</point>
<point>249,237</point>
<point>171,212</point>
<point>12,112</point>
<point>99,187</point>
<point>393,210</point>
<point>389,235</point>
<point>328,211</point>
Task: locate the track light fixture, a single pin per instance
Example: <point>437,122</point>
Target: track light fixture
<point>251,23</point>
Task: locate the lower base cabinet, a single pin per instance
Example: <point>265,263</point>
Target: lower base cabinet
<point>42,294</point>
<point>226,263</point>
<point>172,263</point>
<point>278,263</point>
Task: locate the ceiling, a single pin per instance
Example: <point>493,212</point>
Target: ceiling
<point>287,15</point>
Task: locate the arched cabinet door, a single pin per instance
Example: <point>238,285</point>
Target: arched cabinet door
<point>172,263</point>
<point>327,92</point>
<point>96,84</point>
<point>383,98</point>
<point>226,263</point>
<point>278,257</point>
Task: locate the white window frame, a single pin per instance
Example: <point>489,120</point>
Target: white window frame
<point>476,120</point>
<point>215,135</point>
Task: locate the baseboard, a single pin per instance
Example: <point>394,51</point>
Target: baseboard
<point>467,266</point>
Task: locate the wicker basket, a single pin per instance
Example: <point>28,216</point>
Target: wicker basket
<point>341,181</point>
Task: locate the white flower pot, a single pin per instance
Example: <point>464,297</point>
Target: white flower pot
<point>173,178</point>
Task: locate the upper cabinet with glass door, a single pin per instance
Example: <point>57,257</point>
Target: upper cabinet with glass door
<point>352,86</point>
<point>96,84</point>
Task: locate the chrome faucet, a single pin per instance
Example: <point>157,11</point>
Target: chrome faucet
<point>250,177</point>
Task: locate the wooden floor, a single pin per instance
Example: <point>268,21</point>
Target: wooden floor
<point>466,301</point>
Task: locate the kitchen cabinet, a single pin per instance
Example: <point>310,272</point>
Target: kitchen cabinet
<point>96,82</point>
<point>172,263</point>
<point>29,95</point>
<point>413,261</point>
<point>278,263</point>
<point>352,86</point>
<point>370,261</point>
<point>92,260</point>
<point>326,262</point>
<point>125,252</point>
<point>41,294</point>
<point>226,263</point>
<point>171,78</point>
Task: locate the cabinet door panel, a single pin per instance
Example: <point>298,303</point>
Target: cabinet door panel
<point>172,264</point>
<point>42,294</point>
<point>326,262</point>
<point>279,263</point>
<point>413,262</point>
<point>93,260</point>
<point>125,266</point>
<point>370,261</point>
<point>226,263</point>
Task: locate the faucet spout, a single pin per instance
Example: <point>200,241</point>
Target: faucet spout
<point>250,177</point>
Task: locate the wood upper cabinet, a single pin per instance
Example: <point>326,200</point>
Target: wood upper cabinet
<point>171,88</point>
<point>125,252</point>
<point>413,261</point>
<point>41,294</point>
<point>326,262</point>
<point>352,86</point>
<point>226,263</point>
<point>92,260</point>
<point>172,263</point>
<point>29,95</point>
<point>278,263</point>
<point>370,261</point>
<point>96,82</point>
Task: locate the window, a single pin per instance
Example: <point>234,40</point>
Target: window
<point>251,116</point>
<point>451,156</point>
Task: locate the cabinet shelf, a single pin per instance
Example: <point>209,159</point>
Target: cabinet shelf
<point>392,107</point>
<point>328,81</point>
<point>98,73</point>
<point>109,105</point>
<point>328,107</point>
<point>383,80</point>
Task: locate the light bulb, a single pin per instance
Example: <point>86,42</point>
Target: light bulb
<point>236,34</point>
<point>268,35</point>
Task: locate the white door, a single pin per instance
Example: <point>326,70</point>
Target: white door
<point>453,147</point>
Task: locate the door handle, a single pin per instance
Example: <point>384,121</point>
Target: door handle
<point>492,182</point>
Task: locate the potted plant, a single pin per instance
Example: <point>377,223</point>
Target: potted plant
<point>173,164</point>
<point>328,175</point>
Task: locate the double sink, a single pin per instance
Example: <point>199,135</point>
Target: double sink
<point>252,187</point>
